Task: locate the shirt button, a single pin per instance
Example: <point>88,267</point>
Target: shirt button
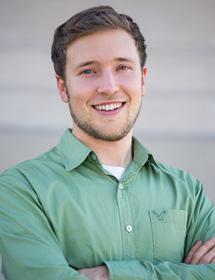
<point>121,186</point>
<point>93,156</point>
<point>129,228</point>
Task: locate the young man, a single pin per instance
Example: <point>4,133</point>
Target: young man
<point>98,205</point>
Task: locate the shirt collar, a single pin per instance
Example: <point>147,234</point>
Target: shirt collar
<point>74,152</point>
<point>141,154</point>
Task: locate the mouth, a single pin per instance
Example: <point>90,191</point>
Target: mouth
<point>109,107</point>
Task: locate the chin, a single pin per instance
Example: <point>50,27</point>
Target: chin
<point>101,135</point>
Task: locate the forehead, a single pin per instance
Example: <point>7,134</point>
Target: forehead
<point>102,46</point>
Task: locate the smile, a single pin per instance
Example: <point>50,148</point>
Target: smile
<point>109,107</point>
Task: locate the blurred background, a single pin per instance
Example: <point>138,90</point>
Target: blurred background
<point>178,112</point>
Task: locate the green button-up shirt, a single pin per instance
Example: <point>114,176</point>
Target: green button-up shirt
<point>62,211</point>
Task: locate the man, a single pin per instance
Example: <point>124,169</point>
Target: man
<point>98,205</point>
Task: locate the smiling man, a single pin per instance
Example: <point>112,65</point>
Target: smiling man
<point>99,205</point>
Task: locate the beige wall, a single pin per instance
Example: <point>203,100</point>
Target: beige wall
<point>178,113</point>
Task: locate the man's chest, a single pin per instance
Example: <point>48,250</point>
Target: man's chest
<point>95,223</point>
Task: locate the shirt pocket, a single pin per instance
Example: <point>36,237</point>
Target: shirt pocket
<point>168,233</point>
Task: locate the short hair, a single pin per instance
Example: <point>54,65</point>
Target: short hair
<point>89,21</point>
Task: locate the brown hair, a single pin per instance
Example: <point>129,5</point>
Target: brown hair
<point>89,21</point>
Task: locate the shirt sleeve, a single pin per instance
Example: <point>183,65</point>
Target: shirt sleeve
<point>145,270</point>
<point>201,226</point>
<point>28,245</point>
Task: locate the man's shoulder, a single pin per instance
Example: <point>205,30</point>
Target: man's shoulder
<point>175,175</point>
<point>31,166</point>
<point>180,176</point>
<point>175,171</point>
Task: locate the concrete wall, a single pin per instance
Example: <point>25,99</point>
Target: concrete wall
<point>178,113</point>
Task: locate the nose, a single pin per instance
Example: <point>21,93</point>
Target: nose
<point>108,84</point>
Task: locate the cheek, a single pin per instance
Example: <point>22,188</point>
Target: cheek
<point>80,98</point>
<point>80,88</point>
<point>130,81</point>
<point>134,90</point>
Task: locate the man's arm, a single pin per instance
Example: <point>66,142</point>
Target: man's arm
<point>28,243</point>
<point>199,253</point>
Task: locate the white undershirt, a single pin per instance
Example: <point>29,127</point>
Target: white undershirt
<point>115,170</point>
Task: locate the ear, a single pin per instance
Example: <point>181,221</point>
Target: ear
<point>62,89</point>
<point>144,73</point>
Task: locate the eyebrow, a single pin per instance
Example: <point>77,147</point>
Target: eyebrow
<point>87,63</point>
<point>124,59</point>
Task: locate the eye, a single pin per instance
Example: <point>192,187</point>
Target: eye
<point>123,67</point>
<point>87,72</point>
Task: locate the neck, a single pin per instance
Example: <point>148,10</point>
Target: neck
<point>115,153</point>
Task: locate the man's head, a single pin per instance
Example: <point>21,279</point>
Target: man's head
<point>87,22</point>
<point>99,59</point>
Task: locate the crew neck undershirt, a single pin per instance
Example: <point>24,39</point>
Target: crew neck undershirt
<point>115,170</point>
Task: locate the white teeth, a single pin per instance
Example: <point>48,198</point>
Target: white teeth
<point>108,107</point>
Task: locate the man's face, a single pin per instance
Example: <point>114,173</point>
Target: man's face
<point>104,84</point>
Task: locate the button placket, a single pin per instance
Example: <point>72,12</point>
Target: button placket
<point>125,216</point>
